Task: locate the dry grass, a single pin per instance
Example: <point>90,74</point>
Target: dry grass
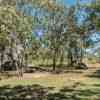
<point>82,83</point>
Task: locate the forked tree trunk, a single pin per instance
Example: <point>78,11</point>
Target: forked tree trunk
<point>19,69</point>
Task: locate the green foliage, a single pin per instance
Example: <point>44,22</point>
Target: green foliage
<point>61,33</point>
<point>95,15</point>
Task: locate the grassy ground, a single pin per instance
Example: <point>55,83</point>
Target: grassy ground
<point>72,85</point>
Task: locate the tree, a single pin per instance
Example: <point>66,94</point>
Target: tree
<point>16,25</point>
<point>62,25</point>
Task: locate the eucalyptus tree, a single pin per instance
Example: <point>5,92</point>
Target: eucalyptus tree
<point>54,25</point>
<point>57,34</point>
<point>15,28</point>
<point>3,43</point>
<point>62,29</point>
<point>77,34</point>
<point>95,15</point>
<point>95,19</point>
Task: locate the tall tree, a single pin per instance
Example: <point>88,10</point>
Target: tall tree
<point>14,24</point>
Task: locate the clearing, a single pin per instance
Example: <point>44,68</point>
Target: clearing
<point>71,85</point>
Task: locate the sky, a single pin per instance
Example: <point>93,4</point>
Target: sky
<point>94,38</point>
<point>73,2</point>
<point>69,2</point>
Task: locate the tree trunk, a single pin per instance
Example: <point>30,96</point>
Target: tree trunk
<point>26,60</point>
<point>54,61</point>
<point>2,58</point>
<point>61,58</point>
<point>73,57</point>
<point>70,58</point>
<point>19,69</point>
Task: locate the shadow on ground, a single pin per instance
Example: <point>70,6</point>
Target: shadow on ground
<point>48,68</point>
<point>96,74</point>
<point>37,92</point>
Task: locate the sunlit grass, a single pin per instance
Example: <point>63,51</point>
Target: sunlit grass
<point>78,85</point>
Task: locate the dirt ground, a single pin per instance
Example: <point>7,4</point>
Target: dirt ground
<point>70,74</point>
<point>68,85</point>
